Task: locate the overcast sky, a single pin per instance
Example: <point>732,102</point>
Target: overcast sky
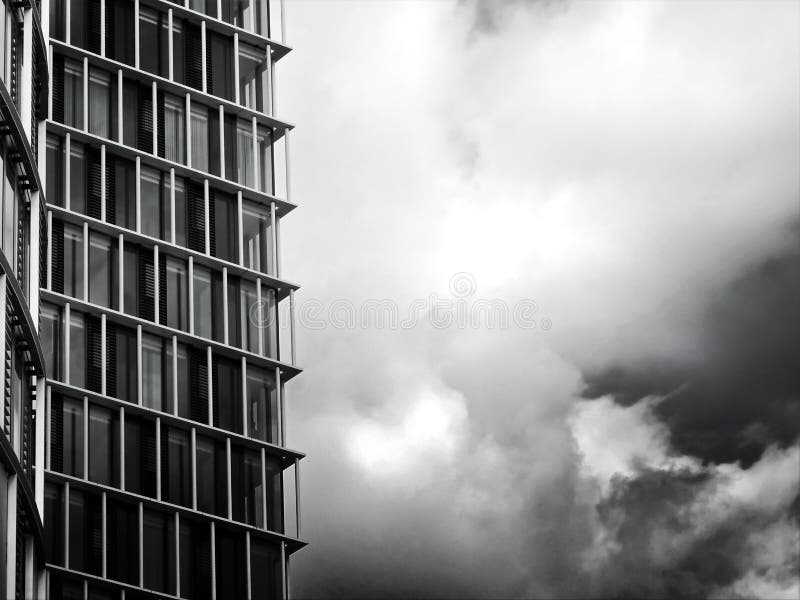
<point>632,169</point>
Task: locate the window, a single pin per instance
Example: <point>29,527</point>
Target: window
<point>219,72</point>
<point>150,193</point>
<point>102,270</point>
<point>121,202</point>
<point>174,129</point>
<point>77,178</point>
<point>266,182</point>
<point>176,294</point>
<point>140,455</point>
<point>268,322</point>
<point>180,212</point>
<point>227,401</point>
<point>73,93</point>
<point>152,373</point>
<point>274,494</point>
<point>57,21</point>
<point>99,103</point>
<point>73,261</point>
<point>153,43</point>
<point>85,537</point>
<point>159,560</point>
<point>249,311</point>
<point>54,517</point>
<point>231,568</point>
<point>246,486</point>
<point>257,237</point>
<point>253,90</point>
<point>123,541</point>
<point>262,405</point>
<point>130,282</point>
<point>244,154</point>
<point>77,349</point>
<point>265,569</point>
<point>178,52</point>
<point>71,435</point>
<point>195,557</point>
<point>55,170</point>
<point>50,335</point>
<point>103,446</point>
<point>177,475</point>
<point>183,376</point>
<point>226,239</point>
<point>211,469</point>
<point>208,311</point>
<point>200,141</point>
<point>122,378</point>
<point>120,31</point>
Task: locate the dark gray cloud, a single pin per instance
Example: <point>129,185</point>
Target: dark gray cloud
<point>742,393</point>
<point>490,16</point>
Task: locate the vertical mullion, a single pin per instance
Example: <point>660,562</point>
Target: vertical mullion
<point>221,141</point>
<point>270,92</point>
<point>277,226</point>
<point>203,55</point>
<point>122,448</point>
<point>207,217</point>
<point>194,467</point>
<point>103,354</point>
<point>177,553</point>
<point>85,94</point>
<point>297,494</point>
<point>136,49</point>
<point>141,544</point>
<point>120,279</point>
<point>159,450</point>
<point>85,297</point>
<point>236,94</point>
<point>138,194</point>
<point>155,119</point>
<point>156,284</point>
<point>260,318</point>
<point>283,413</point>
<point>50,250</point>
<point>191,295</point>
<point>256,166</point>
<point>174,367</point>
<point>103,199</point>
<point>48,434</point>
<point>66,524</point>
<point>283,570</point>
<point>264,486</point>
<point>280,404</point>
<point>288,169</point>
<point>102,28</point>
<point>213,563</point>
<point>188,130</point>
<point>139,377</point>
<point>240,223</point>
<point>225,332</point>
<point>120,120</point>
<point>170,45</point>
<point>86,438</point>
<point>67,335</point>
<point>228,477</point>
<point>273,238</point>
<point>247,564</point>
<point>291,327</point>
<point>245,428</point>
<point>210,365</point>
<point>50,79</point>
<point>104,513</point>
<point>67,174</point>
<point>172,203</point>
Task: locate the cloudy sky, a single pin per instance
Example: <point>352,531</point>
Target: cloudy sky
<point>621,178</point>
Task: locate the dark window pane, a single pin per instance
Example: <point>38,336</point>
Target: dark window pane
<point>159,559</point>
<point>262,401</point>
<point>211,470</point>
<point>183,377</point>
<point>99,102</point>
<point>140,456</point>
<point>131,279</point>
<point>152,42</point>
<point>246,486</point>
<point>54,517</point>
<point>77,174</point>
<point>103,445</point>
<point>177,483</point>
<point>50,335</point>
<point>85,532</point>
<point>176,291</point>
<point>123,541</point>
<point>125,193</point>
<point>227,383</point>
<point>120,31</point>
<point>220,67</point>
<point>274,494</point>
<point>124,365</point>
<point>257,237</point>
<point>73,93</point>
<point>225,227</point>
<point>102,270</point>
<point>265,569</point>
<point>55,170</point>
<point>230,571</point>
<point>195,557</point>
<point>58,15</point>
<point>78,19</point>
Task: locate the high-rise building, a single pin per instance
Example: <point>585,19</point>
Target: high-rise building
<point>149,331</point>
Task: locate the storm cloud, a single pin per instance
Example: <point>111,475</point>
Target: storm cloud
<point>632,168</point>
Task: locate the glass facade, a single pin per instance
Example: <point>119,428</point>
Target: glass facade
<point>164,449</point>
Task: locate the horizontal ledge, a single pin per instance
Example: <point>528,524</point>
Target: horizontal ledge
<point>286,455</point>
<point>281,286</point>
<point>278,125</point>
<point>287,371</point>
<point>150,159</point>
